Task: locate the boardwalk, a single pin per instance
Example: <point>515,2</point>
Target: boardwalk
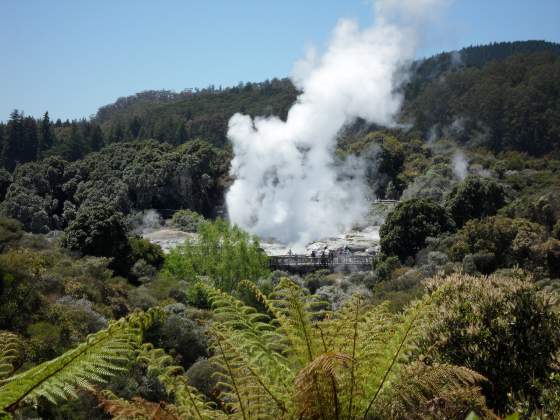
<point>304,264</point>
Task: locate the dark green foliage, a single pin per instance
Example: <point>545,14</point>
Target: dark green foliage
<point>22,205</point>
<point>176,118</point>
<point>186,220</point>
<point>499,241</point>
<point>46,194</point>
<point>142,249</point>
<point>10,230</point>
<point>502,327</point>
<point>384,266</point>
<point>46,135</point>
<point>19,295</point>
<point>5,181</point>
<point>473,56</point>
<point>180,335</point>
<point>556,230</point>
<point>202,375</point>
<point>100,231</point>
<point>20,140</point>
<point>317,279</point>
<point>505,105</point>
<point>474,198</point>
<point>406,228</point>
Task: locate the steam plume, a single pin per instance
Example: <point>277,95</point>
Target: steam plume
<point>287,185</point>
<point>460,165</point>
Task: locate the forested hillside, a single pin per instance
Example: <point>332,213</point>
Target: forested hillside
<point>457,315</point>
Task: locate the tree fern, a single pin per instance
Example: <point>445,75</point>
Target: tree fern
<point>10,349</point>
<point>255,372</point>
<point>350,364</point>
<point>298,362</point>
<point>102,356</point>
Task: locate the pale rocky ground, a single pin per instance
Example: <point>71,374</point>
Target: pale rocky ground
<point>362,240</point>
<point>167,238</point>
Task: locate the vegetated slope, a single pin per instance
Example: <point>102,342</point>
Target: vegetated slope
<point>176,118</point>
<point>511,104</point>
<point>506,93</point>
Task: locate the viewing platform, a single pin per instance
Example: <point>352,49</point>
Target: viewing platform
<point>302,264</point>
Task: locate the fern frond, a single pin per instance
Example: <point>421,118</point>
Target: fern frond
<point>294,312</point>
<point>420,385</point>
<point>317,386</point>
<point>10,350</point>
<point>384,362</point>
<point>102,355</point>
<point>137,408</point>
<point>255,375</point>
<point>189,403</point>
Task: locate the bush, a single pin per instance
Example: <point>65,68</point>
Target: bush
<point>317,279</point>
<point>405,231</point>
<point>180,335</point>
<point>186,220</point>
<point>502,327</point>
<point>474,198</point>
<point>10,230</point>
<point>202,376</point>
<point>100,230</point>
<point>142,249</point>
<point>497,242</point>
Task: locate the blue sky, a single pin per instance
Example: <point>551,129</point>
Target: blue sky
<point>71,57</point>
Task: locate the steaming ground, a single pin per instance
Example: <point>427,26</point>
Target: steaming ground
<point>361,240</point>
<point>288,184</point>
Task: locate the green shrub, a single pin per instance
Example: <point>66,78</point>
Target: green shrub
<point>142,249</point>
<point>474,198</point>
<point>406,228</point>
<point>384,267</point>
<point>499,241</point>
<point>502,327</point>
<point>101,231</point>
<point>10,231</point>
<point>186,220</point>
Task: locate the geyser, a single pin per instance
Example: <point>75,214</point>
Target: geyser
<point>287,184</point>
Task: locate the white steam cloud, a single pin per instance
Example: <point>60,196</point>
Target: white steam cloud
<point>460,165</point>
<point>287,183</point>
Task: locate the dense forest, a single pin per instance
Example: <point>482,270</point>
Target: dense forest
<point>458,316</point>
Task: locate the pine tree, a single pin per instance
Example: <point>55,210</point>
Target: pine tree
<point>30,144</point>
<point>181,134</point>
<point>46,139</point>
<point>96,140</point>
<point>75,148</point>
<point>14,137</point>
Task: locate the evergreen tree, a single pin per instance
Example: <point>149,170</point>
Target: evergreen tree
<point>96,140</point>
<point>75,149</point>
<point>181,136</point>
<point>30,144</point>
<point>46,139</point>
<point>2,129</point>
<point>14,137</point>
<point>134,126</point>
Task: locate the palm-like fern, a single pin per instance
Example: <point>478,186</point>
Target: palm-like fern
<point>94,361</point>
<point>350,364</point>
<point>10,349</point>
